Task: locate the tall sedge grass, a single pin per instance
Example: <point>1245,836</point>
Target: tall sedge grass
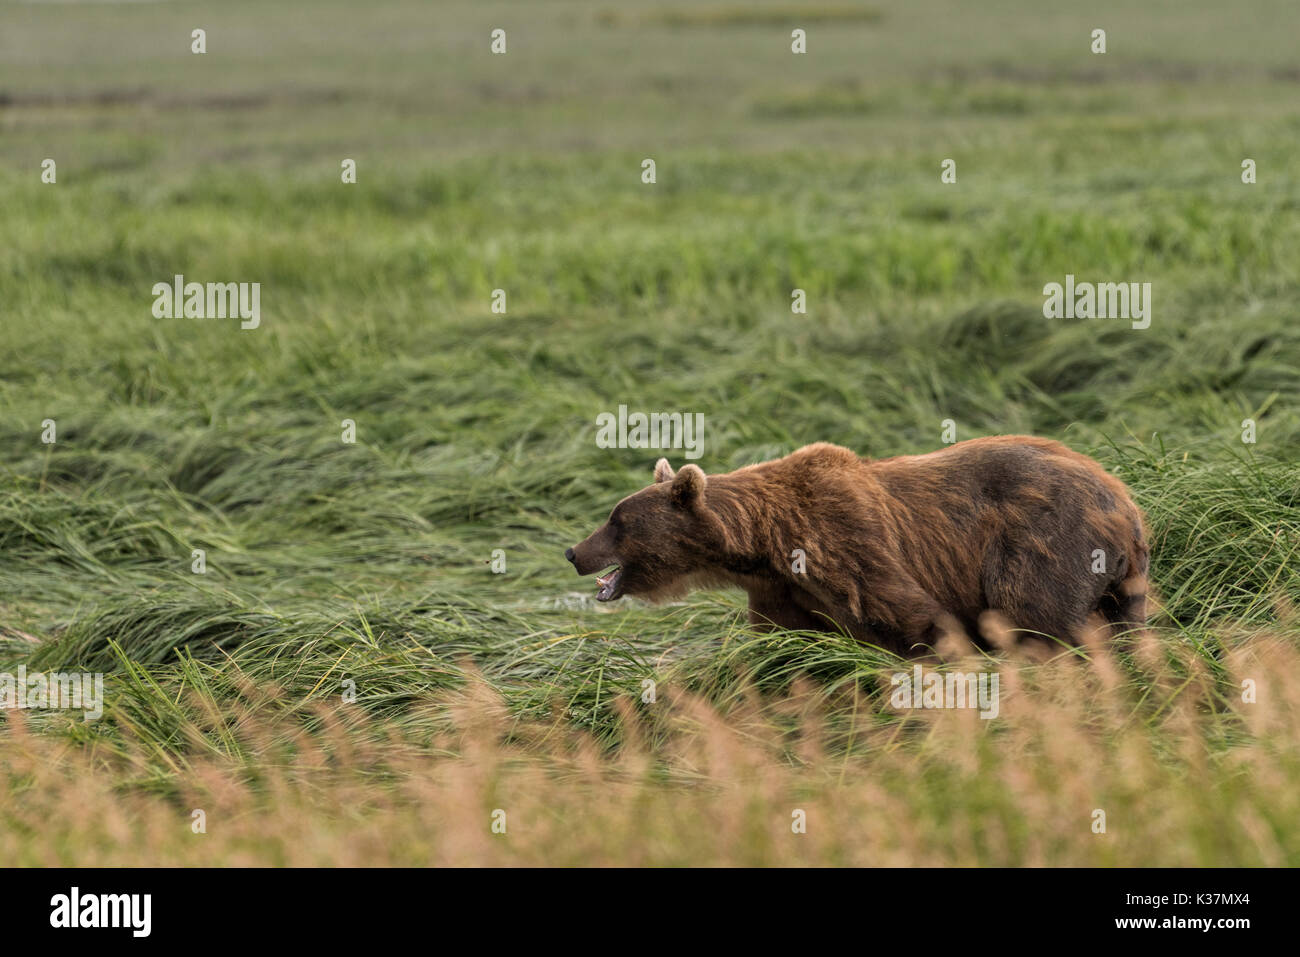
<point>1184,771</point>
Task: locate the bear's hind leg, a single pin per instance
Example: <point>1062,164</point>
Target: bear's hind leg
<point>1124,605</point>
<point>1038,597</point>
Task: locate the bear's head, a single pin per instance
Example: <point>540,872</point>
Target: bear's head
<point>655,541</point>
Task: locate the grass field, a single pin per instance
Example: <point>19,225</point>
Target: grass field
<point>369,563</point>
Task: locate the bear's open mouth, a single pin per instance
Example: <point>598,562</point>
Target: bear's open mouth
<point>610,585</point>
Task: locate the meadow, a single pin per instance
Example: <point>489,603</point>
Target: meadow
<point>350,681</point>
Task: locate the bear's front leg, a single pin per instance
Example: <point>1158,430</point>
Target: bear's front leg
<point>773,606</point>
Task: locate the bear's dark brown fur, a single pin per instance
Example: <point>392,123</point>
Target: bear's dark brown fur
<point>895,549</point>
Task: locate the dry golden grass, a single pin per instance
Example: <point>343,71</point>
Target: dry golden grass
<point>1188,775</point>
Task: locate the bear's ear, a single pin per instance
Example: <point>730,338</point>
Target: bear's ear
<point>688,486</point>
<point>663,471</point>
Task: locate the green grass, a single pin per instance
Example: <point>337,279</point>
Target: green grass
<point>476,430</point>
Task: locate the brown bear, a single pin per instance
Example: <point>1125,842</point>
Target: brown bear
<point>890,551</point>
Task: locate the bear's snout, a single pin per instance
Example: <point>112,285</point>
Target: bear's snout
<point>586,562</point>
<point>592,554</point>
